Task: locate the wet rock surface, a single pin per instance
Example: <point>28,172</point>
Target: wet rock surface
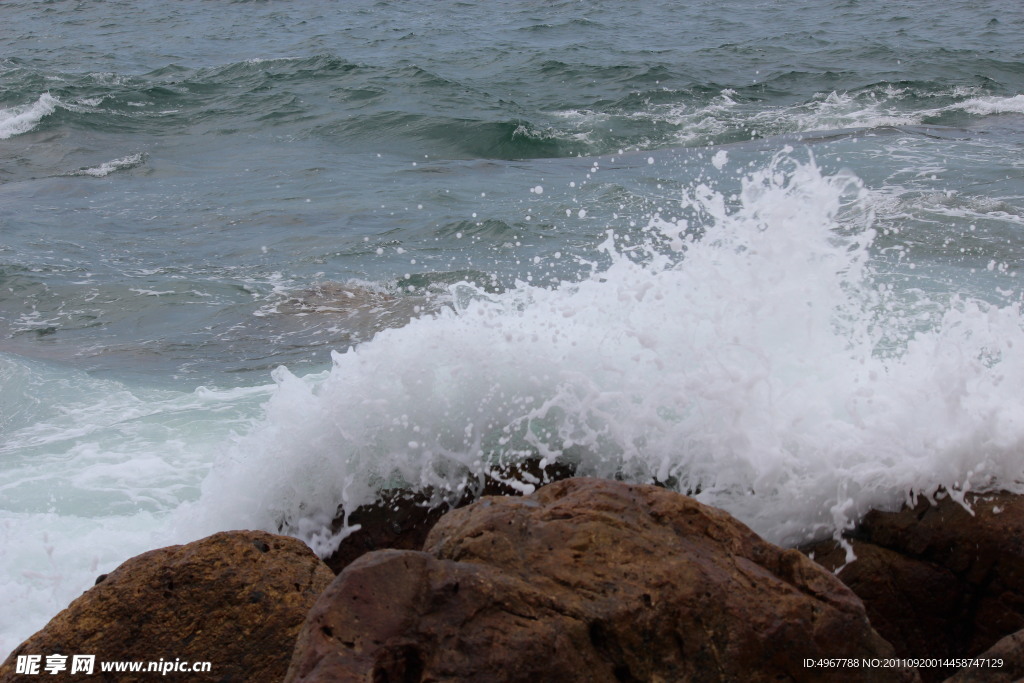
<point>402,519</point>
<point>1008,653</point>
<point>937,580</point>
<point>586,580</point>
<point>235,599</point>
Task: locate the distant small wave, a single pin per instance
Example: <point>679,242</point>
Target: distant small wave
<point>700,118</point>
<point>993,105</point>
<point>108,167</point>
<point>462,137</point>
<point>23,118</point>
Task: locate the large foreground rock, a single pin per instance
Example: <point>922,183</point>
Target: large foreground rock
<point>1001,663</point>
<point>937,580</point>
<point>235,599</point>
<point>586,580</point>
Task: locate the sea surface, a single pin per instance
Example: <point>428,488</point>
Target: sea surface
<point>262,259</point>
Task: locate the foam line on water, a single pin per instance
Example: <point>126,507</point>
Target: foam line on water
<point>879,107</point>
<point>993,105</point>
<point>108,167</point>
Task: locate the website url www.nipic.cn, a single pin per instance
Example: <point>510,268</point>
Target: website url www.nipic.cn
<point>87,664</point>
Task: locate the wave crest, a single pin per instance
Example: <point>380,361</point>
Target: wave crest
<point>21,119</point>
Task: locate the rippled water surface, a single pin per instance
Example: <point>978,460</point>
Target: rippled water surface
<point>259,259</point>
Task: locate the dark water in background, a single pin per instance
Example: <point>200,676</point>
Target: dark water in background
<point>808,303</point>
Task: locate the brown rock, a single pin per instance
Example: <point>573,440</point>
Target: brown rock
<point>586,580</point>
<point>402,519</point>
<point>1001,663</point>
<point>936,580</point>
<point>235,599</point>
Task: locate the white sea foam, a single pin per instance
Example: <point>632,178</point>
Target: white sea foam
<point>23,118</point>
<point>844,110</point>
<point>108,167</point>
<point>749,370</point>
<point>877,109</point>
<point>993,105</point>
<point>824,111</point>
<point>91,469</point>
<point>716,117</point>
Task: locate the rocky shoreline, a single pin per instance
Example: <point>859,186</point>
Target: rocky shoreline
<point>584,580</point>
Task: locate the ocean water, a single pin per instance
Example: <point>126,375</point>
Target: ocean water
<point>262,259</point>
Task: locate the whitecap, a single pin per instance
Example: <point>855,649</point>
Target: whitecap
<point>23,118</point>
<point>993,105</point>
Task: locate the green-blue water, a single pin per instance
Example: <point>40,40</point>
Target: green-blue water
<point>770,248</point>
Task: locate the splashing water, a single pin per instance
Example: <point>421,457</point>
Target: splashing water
<point>735,353</point>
